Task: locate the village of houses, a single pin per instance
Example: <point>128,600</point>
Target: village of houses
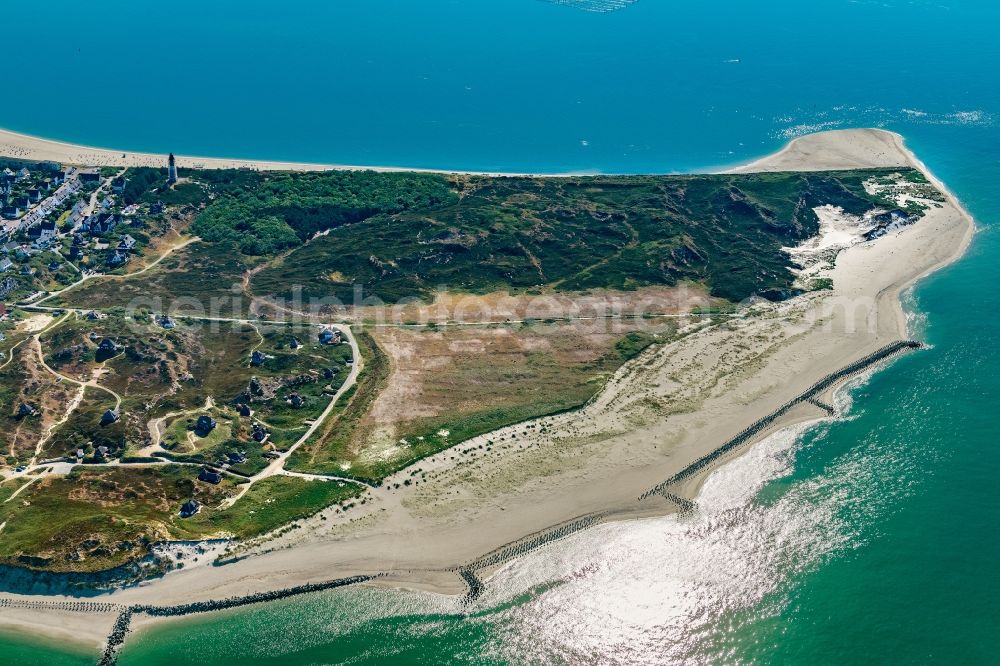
<point>61,225</point>
<point>57,225</point>
<point>194,442</point>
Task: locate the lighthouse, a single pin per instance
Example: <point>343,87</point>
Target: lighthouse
<point>171,170</point>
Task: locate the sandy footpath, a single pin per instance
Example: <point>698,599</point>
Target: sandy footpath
<point>657,414</point>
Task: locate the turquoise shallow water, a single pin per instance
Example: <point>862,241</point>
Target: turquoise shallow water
<point>38,651</point>
<point>871,540</point>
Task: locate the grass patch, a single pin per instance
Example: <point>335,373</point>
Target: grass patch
<point>426,437</point>
<point>93,519</point>
<point>199,279</point>
<point>274,502</point>
<point>635,343</point>
<point>10,486</point>
<point>329,448</point>
<point>84,429</point>
<point>180,436</point>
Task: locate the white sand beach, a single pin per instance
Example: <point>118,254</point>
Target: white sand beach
<point>659,413</point>
<point>27,147</point>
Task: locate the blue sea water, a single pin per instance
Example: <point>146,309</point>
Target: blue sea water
<point>481,84</point>
<point>872,540</point>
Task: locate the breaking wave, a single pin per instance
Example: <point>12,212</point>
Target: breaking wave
<point>663,590</point>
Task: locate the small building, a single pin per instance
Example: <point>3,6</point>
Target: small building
<point>167,323</point>
<point>329,373</point>
<point>5,265</point>
<point>110,416</point>
<point>103,451</point>
<point>7,286</point>
<point>236,457</point>
<point>103,223</point>
<point>258,432</point>
<point>80,453</point>
<point>23,174</point>
<point>210,476</point>
<point>26,410</point>
<point>296,401</point>
<point>90,177</point>
<point>44,231</point>
<point>118,259</point>
<point>118,184</point>
<point>190,508</point>
<point>244,409</point>
<point>257,359</point>
<point>295,343</point>
<point>27,270</point>
<point>328,337</point>
<point>107,344</point>
<point>205,425</point>
<point>54,266</point>
<point>126,244</point>
<point>34,195</point>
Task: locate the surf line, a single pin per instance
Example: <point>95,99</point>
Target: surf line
<point>470,571</point>
<point>809,395</point>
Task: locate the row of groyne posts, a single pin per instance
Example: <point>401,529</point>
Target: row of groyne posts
<point>124,620</point>
<point>468,572</point>
<point>747,435</point>
<point>75,606</point>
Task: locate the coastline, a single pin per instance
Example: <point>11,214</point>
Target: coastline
<point>444,545</point>
<point>27,147</point>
